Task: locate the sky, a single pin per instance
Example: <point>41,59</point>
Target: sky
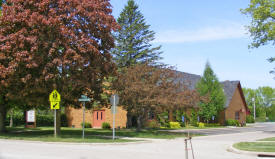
<point>194,32</point>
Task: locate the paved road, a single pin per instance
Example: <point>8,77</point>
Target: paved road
<point>206,147</point>
<point>266,127</point>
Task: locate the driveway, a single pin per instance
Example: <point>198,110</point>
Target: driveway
<point>205,147</point>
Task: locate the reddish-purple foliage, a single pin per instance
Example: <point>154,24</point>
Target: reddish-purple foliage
<point>63,42</point>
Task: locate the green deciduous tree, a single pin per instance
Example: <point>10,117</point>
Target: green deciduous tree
<point>133,39</point>
<point>209,86</point>
<point>262,26</point>
<point>264,101</point>
<point>267,95</point>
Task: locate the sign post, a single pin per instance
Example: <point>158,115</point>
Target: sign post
<point>83,99</point>
<point>55,99</point>
<point>114,101</point>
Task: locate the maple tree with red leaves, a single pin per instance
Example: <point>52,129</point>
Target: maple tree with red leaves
<point>62,44</point>
<point>144,88</point>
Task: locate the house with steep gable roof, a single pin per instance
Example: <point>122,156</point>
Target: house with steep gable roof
<point>235,106</point>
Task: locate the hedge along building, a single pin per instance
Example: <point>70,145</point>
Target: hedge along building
<point>235,107</point>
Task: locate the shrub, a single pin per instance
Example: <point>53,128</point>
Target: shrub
<point>41,119</point>
<point>48,120</point>
<point>153,124</point>
<point>250,119</point>
<point>261,119</point>
<point>106,125</point>
<point>194,118</point>
<point>174,125</point>
<point>182,124</point>
<point>17,119</point>
<point>86,125</point>
<point>163,119</point>
<point>212,124</point>
<point>237,123</point>
<point>44,120</point>
<point>232,122</point>
<point>64,121</point>
<point>201,125</point>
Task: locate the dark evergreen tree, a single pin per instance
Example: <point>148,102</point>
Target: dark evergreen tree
<point>133,39</point>
<point>209,86</point>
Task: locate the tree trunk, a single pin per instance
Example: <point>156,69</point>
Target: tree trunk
<point>171,118</point>
<point>3,113</point>
<point>58,122</point>
<point>139,123</point>
<point>11,119</point>
<point>129,123</point>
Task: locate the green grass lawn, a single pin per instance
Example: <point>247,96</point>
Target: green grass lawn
<point>91,135</point>
<point>268,139</point>
<point>46,134</point>
<point>256,146</point>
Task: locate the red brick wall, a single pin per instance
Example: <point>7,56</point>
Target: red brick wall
<point>75,117</point>
<point>236,104</point>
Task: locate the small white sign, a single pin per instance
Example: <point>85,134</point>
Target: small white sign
<point>31,116</point>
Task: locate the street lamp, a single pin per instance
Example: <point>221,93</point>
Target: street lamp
<point>253,100</point>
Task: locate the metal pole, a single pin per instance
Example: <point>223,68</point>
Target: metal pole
<point>254,109</point>
<point>186,150</point>
<point>55,130</point>
<point>114,117</point>
<point>83,124</point>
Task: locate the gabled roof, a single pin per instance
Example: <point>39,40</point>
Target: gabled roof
<point>229,87</point>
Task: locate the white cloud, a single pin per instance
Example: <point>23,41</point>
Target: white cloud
<point>220,32</point>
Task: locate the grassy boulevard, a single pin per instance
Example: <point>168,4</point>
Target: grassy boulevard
<point>263,145</point>
<point>91,135</point>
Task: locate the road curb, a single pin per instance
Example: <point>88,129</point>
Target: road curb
<point>250,153</point>
<point>205,136</point>
<point>80,143</point>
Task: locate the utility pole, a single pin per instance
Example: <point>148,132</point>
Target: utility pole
<point>253,100</point>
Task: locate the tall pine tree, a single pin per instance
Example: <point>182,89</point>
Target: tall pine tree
<point>209,86</point>
<point>133,39</point>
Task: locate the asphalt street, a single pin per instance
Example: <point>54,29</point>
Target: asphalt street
<point>265,127</point>
<point>205,147</point>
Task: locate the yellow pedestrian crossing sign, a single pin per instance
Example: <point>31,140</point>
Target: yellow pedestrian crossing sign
<point>55,99</point>
<point>55,96</point>
<point>55,105</point>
